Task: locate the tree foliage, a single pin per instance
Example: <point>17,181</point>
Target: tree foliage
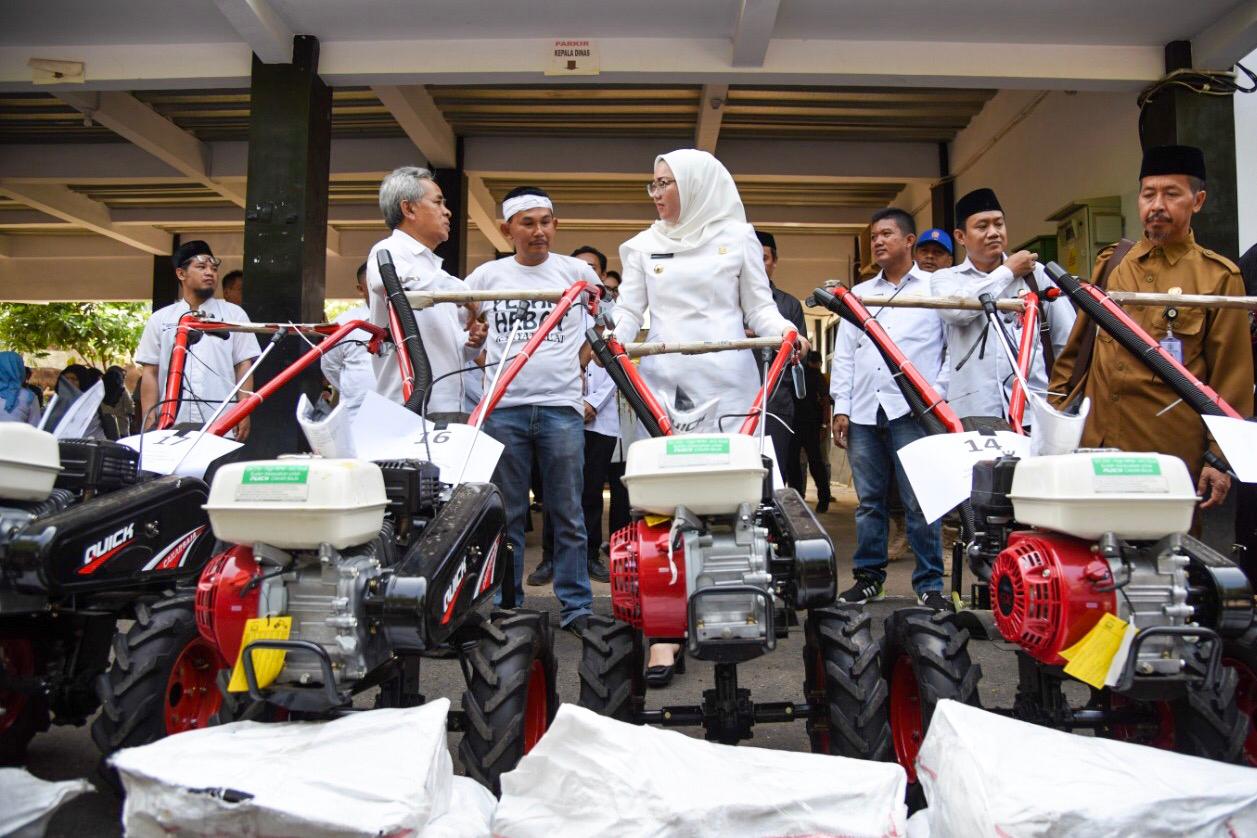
<point>99,333</point>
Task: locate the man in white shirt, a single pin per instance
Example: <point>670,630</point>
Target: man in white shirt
<point>414,209</point>
<point>602,433</point>
<point>872,420</point>
<point>347,366</point>
<point>981,375</point>
<point>541,414</point>
<point>215,361</point>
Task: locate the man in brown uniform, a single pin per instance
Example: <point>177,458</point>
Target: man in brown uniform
<point>1213,344</point>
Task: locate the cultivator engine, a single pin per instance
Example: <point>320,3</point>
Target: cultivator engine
<point>1110,538</point>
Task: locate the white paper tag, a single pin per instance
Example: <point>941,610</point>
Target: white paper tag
<point>162,451</point>
<point>384,430</point>
<point>940,467</point>
<point>1238,441</point>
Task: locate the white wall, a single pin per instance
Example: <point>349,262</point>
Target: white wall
<point>1246,160</point>
<point>1070,146</point>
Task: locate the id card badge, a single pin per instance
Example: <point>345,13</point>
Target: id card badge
<point>1173,346</point>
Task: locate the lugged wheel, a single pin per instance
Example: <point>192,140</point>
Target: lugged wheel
<point>842,673</point>
<point>511,697</point>
<point>22,714</point>
<point>611,680</point>
<point>925,659</point>
<point>162,680</point>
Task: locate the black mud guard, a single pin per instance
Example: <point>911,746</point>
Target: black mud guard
<point>143,536</point>
<point>457,554</point>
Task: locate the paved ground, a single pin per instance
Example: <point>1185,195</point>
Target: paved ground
<point>65,753</point>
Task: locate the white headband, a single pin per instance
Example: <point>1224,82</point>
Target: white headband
<point>524,202</point>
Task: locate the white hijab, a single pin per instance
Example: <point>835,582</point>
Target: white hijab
<point>710,204</point>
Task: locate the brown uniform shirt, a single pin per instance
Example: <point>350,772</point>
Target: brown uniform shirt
<point>1125,395</point>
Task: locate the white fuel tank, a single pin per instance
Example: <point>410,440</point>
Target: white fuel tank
<point>298,503</point>
<point>1138,496</point>
<point>30,460</point>
<point>709,474</point>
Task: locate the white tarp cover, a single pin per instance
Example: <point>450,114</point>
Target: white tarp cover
<point>27,803</point>
<point>989,775</point>
<point>381,772</point>
<point>591,775</point>
<point>470,812</point>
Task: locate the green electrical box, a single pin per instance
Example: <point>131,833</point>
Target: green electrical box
<point>1045,246</point>
<point>1083,229</point>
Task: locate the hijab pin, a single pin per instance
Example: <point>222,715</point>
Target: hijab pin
<point>658,269</point>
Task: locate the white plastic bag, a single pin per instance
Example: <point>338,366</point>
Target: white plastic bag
<point>1053,432</point>
<point>989,775</point>
<point>327,429</point>
<point>590,775</point>
<point>28,803</point>
<point>378,773</point>
<point>470,814</point>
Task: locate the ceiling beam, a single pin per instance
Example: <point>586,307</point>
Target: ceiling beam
<point>1228,39</point>
<point>756,21</point>
<point>135,121</point>
<point>710,111</point>
<point>261,27</point>
<point>482,210</point>
<point>679,60</point>
<point>333,241</point>
<point>6,249</point>
<point>418,115</point>
<point>68,205</point>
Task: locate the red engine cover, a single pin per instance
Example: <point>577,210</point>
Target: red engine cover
<point>1043,590</point>
<point>222,604</point>
<point>643,593</point>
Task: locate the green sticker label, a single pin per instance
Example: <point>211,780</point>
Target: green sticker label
<point>274,475</point>
<point>689,447</point>
<point>1126,466</point>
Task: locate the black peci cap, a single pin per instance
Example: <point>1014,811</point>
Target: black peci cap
<point>1173,160</point>
<point>190,250</point>
<point>979,200</point>
<point>766,239</point>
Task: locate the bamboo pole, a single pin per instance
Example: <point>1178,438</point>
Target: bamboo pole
<point>638,350</point>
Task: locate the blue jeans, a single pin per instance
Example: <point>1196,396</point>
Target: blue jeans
<point>871,450</point>
<point>556,437</point>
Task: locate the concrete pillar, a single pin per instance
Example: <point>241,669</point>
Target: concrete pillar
<point>1177,116</point>
<point>285,230</point>
<point>453,183</point>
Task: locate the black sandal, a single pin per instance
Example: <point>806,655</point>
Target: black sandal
<point>661,676</point>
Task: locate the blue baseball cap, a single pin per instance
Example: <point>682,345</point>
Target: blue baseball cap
<point>936,236</point>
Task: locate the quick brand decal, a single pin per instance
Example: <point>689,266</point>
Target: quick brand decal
<point>451,593</point>
<point>105,549</point>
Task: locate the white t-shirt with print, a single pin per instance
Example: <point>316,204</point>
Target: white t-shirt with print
<point>209,371</point>
<point>552,377</point>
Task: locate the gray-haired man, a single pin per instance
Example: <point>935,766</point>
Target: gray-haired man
<point>414,209</point>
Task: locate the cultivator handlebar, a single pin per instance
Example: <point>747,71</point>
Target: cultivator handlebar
<point>1110,317</point>
<point>929,408</point>
<point>191,324</point>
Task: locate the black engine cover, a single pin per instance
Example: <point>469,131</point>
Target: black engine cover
<point>456,555</point>
<point>144,535</point>
<point>801,538</point>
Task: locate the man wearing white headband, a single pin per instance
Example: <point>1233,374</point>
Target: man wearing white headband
<point>414,209</point>
<point>541,414</point>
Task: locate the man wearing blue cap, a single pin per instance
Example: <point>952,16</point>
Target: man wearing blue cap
<point>934,250</point>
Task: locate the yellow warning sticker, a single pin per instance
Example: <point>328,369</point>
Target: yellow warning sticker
<point>1091,658</point>
<point>267,663</point>
<point>656,520</point>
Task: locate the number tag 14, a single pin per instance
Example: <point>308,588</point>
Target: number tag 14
<point>940,468</point>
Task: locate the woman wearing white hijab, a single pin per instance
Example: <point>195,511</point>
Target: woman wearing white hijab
<point>699,269</point>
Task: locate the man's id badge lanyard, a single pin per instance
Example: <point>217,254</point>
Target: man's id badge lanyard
<point>1171,344</point>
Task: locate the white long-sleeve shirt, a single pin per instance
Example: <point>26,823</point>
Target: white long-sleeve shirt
<point>983,385</point>
<point>600,395</point>
<point>861,381</point>
<point>347,366</point>
<point>703,294</point>
<point>441,327</point>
